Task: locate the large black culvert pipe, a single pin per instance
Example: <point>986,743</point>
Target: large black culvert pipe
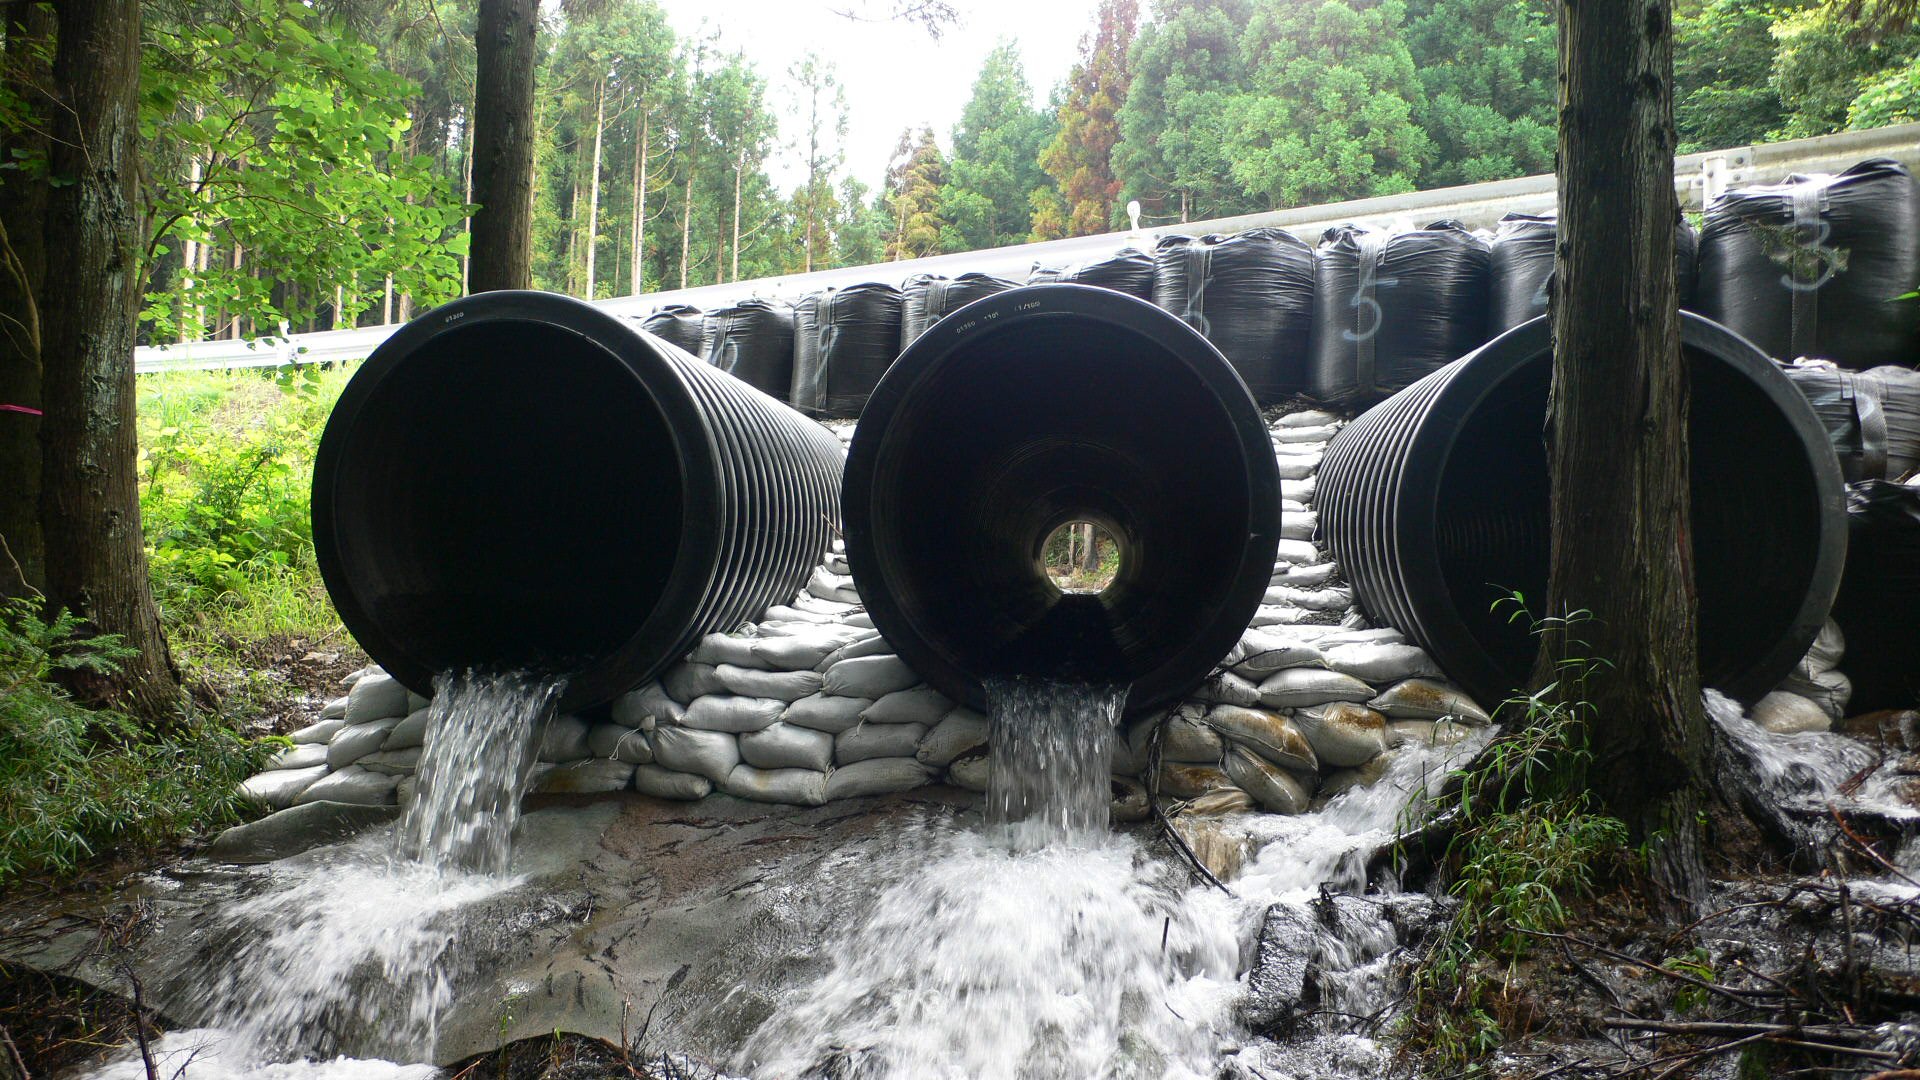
<point>1435,503</point>
<point>518,479</point>
<point>1027,410</point>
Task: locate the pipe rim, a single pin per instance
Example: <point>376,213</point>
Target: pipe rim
<point>1479,373</point>
<point>696,558</point>
<point>900,388</point>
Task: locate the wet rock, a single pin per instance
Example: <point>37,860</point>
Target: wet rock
<point>353,784</point>
<point>279,787</point>
<point>294,830</point>
<point>1304,950</point>
<point>1222,851</point>
<point>1895,729</point>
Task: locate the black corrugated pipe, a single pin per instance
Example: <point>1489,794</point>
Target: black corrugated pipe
<point>1027,410</point>
<point>1435,503</point>
<point>519,479</point>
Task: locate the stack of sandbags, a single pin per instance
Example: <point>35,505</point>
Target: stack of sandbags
<point>928,298</point>
<point>1521,267</point>
<point>679,325</point>
<point>1873,417</point>
<point>1816,266</point>
<point>753,342</point>
<point>843,341</point>
<point>352,754</point>
<point>1392,307</point>
<point>1129,271</point>
<point>1251,294</point>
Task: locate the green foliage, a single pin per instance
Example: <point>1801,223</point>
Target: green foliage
<point>1722,66</point>
<point>914,183</point>
<point>1525,841</point>
<point>1329,110</point>
<point>1820,70</point>
<point>1487,72</point>
<point>276,132</point>
<point>1172,150</point>
<point>74,781</point>
<point>995,164</point>
<point>1080,157</point>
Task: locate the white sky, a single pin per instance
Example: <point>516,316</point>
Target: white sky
<point>893,73</point>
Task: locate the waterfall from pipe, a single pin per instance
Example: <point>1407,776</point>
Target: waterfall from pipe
<point>349,950</point>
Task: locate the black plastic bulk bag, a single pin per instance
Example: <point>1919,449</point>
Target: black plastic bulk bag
<point>1393,306</point>
<point>1129,271</point>
<point>1879,596</point>
<point>928,298</point>
<point>677,324</point>
<point>1872,416</point>
<point>1815,266</point>
<point>1251,294</point>
<point>843,341</point>
<point>1521,266</point>
<point>753,342</point>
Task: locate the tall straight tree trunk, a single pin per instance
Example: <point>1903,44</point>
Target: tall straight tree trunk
<point>639,280</point>
<point>739,169</point>
<point>90,499</point>
<point>501,255</point>
<point>23,267</point>
<point>1617,427</point>
<point>466,223</point>
<point>686,229</point>
<point>593,183</point>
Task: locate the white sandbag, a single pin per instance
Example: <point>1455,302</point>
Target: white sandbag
<point>917,705</point>
<point>717,649</point>
<point>1430,732</point>
<point>859,619</point>
<point>1218,803</point>
<point>416,702</point>
<point>1382,664</point>
<point>1332,598</point>
<point>1283,615</point>
<point>687,682</point>
<point>1306,418</point>
<point>1296,687</point>
<point>320,731</point>
<point>787,746</point>
<point>1298,552</point>
<point>836,564</point>
<point>836,608</point>
<point>1179,781</point>
<point>352,784</point>
<point>971,771</point>
<point>1317,433</point>
<point>1302,577</point>
<point>564,739</point>
<point>876,776</point>
<point>1829,646</point>
<point>392,762</point>
<point>663,783</point>
<point>788,613</point>
<point>725,712</point>
<point>1131,802</point>
<point>1274,788</point>
<point>298,756</point>
<point>619,742</point>
<point>1122,758</point>
<point>1785,713</point>
<point>355,741</point>
<point>1183,738</point>
<point>351,677</point>
<point>827,585</point>
<point>590,777</point>
<point>277,788</point>
<point>871,645</point>
<point>825,712</point>
<point>376,697</point>
<point>411,731</point>
<point>711,754</point>
<point>1298,489</point>
<point>1226,688</point>
<point>1269,734</point>
<point>1380,635</point>
<point>1424,699</point>
<point>647,706</point>
<point>960,731</point>
<point>869,677</point>
<point>795,787</point>
<point>1344,734</point>
<point>802,651</point>
<point>865,741</point>
<point>1296,466</point>
<point>1263,652</point>
<point>1831,690</point>
<point>777,685</point>
<point>335,710</point>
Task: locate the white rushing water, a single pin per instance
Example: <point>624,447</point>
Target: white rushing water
<point>1044,947</point>
<point>351,945</point>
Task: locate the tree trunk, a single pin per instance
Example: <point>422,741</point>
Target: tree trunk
<point>501,256</point>
<point>1617,428</point>
<point>639,280</point>
<point>686,228</point>
<point>738,170</point>
<point>466,196</point>
<point>90,499</point>
<point>23,266</point>
<point>593,182</point>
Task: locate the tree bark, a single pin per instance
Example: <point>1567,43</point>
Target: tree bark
<point>739,169</point>
<point>501,256</point>
<point>90,498</point>
<point>23,266</point>
<point>593,183</point>
<point>686,228</point>
<point>638,281</point>
<point>1617,429</point>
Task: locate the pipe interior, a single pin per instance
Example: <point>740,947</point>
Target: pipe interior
<point>1756,516</point>
<point>509,496</point>
<point>1021,430</point>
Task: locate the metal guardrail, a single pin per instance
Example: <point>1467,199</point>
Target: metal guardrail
<point>1697,179</point>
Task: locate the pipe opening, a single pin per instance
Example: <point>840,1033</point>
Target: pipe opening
<point>1081,557</point>
<point>507,495</point>
<point>987,437</point>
